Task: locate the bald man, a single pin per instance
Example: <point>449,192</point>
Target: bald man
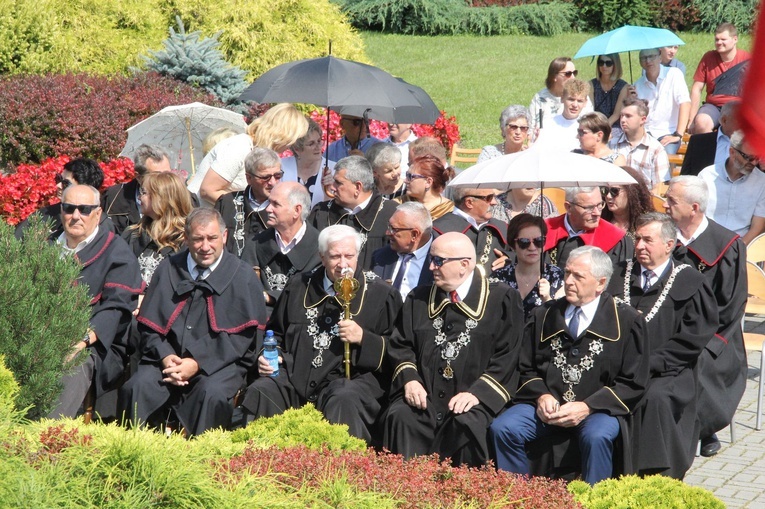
<point>454,354</point>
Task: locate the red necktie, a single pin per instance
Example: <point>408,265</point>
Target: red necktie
<point>453,295</point>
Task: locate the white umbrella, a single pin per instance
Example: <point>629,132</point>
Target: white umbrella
<point>537,167</point>
<point>181,130</point>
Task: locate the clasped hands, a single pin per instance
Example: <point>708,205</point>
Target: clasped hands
<point>568,415</point>
<point>416,396</point>
<point>178,371</point>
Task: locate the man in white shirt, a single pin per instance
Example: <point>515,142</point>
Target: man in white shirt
<point>669,103</point>
<point>737,190</point>
<point>560,133</point>
<point>401,135</point>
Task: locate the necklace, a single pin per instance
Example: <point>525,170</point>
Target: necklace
<point>277,281</point>
<point>321,340</point>
<point>239,227</point>
<point>486,249</point>
<point>572,375</point>
<point>662,296</point>
<point>451,349</point>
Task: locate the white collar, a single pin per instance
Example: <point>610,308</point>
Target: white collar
<point>194,269</point>
<point>702,227</point>
<point>588,311</point>
<point>256,206</point>
<point>659,270</point>
<point>286,248</point>
<point>79,247</point>
<point>467,217</point>
<point>464,288</point>
<point>361,206</point>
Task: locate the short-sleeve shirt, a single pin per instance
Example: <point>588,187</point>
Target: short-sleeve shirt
<point>664,100</point>
<point>648,157</point>
<point>733,203</point>
<point>227,160</point>
<point>710,67</point>
<point>546,105</point>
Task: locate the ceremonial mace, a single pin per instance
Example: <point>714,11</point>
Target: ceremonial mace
<point>346,287</point>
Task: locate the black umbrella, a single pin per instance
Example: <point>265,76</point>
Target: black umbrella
<point>426,113</point>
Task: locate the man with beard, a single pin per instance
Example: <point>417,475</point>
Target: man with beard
<point>312,331</point>
<point>681,312</point>
<point>454,355</point>
<point>737,190</point>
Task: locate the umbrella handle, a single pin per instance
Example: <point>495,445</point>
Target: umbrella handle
<point>191,146</point>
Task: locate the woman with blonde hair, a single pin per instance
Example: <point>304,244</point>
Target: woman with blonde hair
<point>165,203</point>
<point>278,128</point>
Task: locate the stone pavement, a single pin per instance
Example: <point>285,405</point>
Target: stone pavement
<point>736,475</point>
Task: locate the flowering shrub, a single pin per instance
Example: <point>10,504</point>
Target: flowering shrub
<point>33,186</point>
<point>420,482</point>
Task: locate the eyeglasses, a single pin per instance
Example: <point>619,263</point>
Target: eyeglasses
<point>592,208</point>
<point>515,127</point>
<point>411,176</point>
<point>488,198</point>
<point>568,74</point>
<point>60,179</point>
<point>266,178</point>
<point>645,58</point>
<point>606,63</point>
<point>393,229</point>
<point>525,243</point>
<point>355,122</point>
<point>85,210</point>
<point>613,191</point>
<point>582,132</point>
<point>749,157</point>
<point>438,261</point>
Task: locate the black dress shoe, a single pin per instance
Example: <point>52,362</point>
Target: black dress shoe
<point>710,446</point>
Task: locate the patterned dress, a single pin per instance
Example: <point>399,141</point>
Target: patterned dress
<point>552,274</point>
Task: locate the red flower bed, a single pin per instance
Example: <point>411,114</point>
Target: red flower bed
<point>420,482</point>
<point>33,186</point>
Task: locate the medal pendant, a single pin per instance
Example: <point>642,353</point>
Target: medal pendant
<point>448,372</point>
<point>569,395</point>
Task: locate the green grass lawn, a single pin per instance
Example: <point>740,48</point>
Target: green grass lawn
<point>474,78</point>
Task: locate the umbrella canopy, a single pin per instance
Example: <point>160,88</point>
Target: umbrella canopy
<point>628,38</point>
<point>333,83</point>
<point>426,113</point>
<point>181,130</point>
<point>536,167</point>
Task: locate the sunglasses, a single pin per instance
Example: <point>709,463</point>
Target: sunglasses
<point>59,178</point>
<point>488,198</point>
<point>645,58</point>
<point>85,210</point>
<point>613,191</point>
<point>606,63</point>
<point>393,229</point>
<point>266,178</point>
<point>568,74</point>
<point>438,261</point>
<point>411,176</point>
<point>582,132</point>
<point>749,157</point>
<point>514,127</point>
<point>355,122</point>
<point>525,243</point>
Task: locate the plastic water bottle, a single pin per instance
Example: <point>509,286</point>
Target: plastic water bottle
<point>270,352</point>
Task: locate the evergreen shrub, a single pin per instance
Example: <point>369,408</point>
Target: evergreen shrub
<point>633,492</point>
<point>43,314</point>
<point>80,115</point>
<point>742,13</point>
<point>604,15</point>
<point>9,389</point>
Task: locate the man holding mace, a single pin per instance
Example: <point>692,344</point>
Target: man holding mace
<point>318,315</point>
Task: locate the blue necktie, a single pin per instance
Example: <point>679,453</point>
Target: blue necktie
<point>402,268</point>
<point>573,325</point>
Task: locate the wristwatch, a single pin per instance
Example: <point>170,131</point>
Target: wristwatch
<point>86,338</point>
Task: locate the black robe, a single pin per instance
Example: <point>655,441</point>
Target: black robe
<point>230,206</point>
<point>616,382</point>
<point>371,223</point>
<point>485,367</point>
<point>212,321</point>
<point>119,203</point>
<point>113,278</point>
<point>491,236</point>
<point>356,402</point>
<point>276,268</point>
<point>666,435</point>
<point>720,255</point>
<point>613,241</point>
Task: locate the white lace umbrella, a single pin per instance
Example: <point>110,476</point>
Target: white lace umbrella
<point>181,130</point>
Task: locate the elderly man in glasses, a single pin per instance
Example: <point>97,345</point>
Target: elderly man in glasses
<point>737,190</point>
<point>581,225</point>
<point>454,354</point>
<point>112,276</point>
<point>473,216</point>
<point>244,212</point>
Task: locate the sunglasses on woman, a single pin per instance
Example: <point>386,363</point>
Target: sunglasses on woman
<point>606,63</point>
<point>613,191</point>
<point>568,74</point>
<point>525,243</point>
<point>59,178</point>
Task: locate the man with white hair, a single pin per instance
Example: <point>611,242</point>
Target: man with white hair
<point>288,246</point>
<point>312,331</point>
<point>720,255</point>
<point>737,190</point>
<point>454,355</point>
<point>583,370</point>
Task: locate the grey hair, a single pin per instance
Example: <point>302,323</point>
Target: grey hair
<point>571,192</point>
<point>357,169</point>
<point>513,112</point>
<point>260,158</point>
<point>737,139</point>
<point>203,216</point>
<point>459,193</point>
<point>146,152</point>
<point>96,194</point>
<point>695,190</point>
<point>728,108</point>
<point>335,233</point>
<point>383,154</point>
<point>668,228</point>
<point>419,216</point>
<point>299,195</point>
<point>313,127</point>
<point>600,263</point>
